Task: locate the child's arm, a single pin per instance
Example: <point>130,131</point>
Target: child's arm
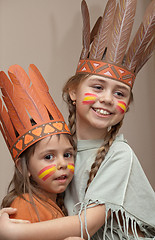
<point>11,211</point>
<point>57,229</point>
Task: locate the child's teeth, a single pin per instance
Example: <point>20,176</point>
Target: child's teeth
<point>101,111</point>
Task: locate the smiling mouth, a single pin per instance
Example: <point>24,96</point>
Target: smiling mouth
<point>63,177</point>
<point>102,111</point>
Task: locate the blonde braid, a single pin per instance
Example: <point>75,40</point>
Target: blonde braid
<point>103,151</point>
<point>72,84</point>
<point>72,118</point>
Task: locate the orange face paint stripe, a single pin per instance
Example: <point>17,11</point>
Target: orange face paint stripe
<point>47,172</point>
<point>71,167</point>
<point>121,106</point>
<point>89,98</point>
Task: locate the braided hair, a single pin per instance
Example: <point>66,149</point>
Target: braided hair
<point>102,151</point>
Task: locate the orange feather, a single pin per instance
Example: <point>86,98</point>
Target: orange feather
<point>6,125</point>
<point>17,113</point>
<point>43,91</point>
<point>26,93</point>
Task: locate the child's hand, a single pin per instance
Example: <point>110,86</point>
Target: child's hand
<point>8,210</point>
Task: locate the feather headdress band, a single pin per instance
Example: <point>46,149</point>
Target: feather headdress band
<point>27,111</point>
<point>105,48</point>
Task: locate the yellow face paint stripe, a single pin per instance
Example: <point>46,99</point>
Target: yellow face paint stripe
<point>122,106</point>
<point>71,167</point>
<point>47,172</point>
<point>89,98</point>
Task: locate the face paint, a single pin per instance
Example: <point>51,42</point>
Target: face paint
<point>46,172</point>
<point>121,106</point>
<point>89,98</point>
<point>71,167</point>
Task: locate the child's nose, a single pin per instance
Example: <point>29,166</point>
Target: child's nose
<point>62,163</point>
<point>106,97</point>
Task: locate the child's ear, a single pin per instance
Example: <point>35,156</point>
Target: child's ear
<point>18,164</point>
<point>72,94</point>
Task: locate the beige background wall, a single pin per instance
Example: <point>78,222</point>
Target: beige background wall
<point>48,34</point>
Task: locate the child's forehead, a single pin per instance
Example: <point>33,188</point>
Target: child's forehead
<point>54,141</point>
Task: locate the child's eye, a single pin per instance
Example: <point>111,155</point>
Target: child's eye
<point>49,157</point>
<point>68,155</point>
<point>119,94</point>
<point>98,87</point>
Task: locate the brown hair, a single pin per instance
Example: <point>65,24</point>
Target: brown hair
<point>72,84</point>
<point>21,183</point>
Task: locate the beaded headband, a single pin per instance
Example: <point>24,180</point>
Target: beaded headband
<point>27,111</point>
<point>105,50</point>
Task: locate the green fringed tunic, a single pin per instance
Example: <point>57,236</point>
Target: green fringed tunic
<point>120,184</point>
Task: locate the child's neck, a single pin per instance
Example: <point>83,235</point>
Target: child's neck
<point>45,194</point>
<point>87,133</point>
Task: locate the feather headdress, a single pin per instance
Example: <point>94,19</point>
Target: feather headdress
<point>108,55</point>
<point>27,111</point>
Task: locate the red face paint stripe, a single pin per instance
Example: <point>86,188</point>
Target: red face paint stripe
<point>88,102</point>
<point>89,98</point>
<point>46,168</point>
<point>121,106</point>
<point>48,172</point>
<point>121,110</point>
<point>122,103</point>
<point>48,175</point>
<point>90,94</point>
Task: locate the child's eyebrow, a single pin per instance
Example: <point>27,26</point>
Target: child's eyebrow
<point>70,149</point>
<point>96,79</point>
<point>49,150</point>
<point>123,88</point>
<point>105,82</point>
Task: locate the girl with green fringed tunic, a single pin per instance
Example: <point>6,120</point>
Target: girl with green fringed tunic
<point>108,172</point>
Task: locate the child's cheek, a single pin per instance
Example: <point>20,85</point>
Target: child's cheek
<point>46,172</point>
<point>89,98</point>
<point>121,106</point>
<point>71,167</point>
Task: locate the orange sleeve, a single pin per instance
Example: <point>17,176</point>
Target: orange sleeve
<point>26,211</point>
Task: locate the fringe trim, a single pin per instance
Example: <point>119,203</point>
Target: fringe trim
<point>122,231</point>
